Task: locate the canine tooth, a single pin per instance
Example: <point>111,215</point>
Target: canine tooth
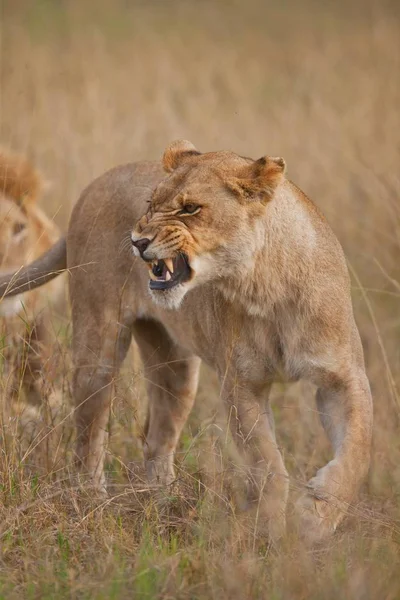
<point>167,276</point>
<point>152,276</point>
<point>170,264</point>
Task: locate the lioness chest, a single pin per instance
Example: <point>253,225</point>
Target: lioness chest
<point>225,337</point>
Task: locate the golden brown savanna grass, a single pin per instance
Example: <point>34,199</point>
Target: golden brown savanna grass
<point>88,85</point>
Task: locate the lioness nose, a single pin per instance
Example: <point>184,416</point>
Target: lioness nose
<point>141,245</point>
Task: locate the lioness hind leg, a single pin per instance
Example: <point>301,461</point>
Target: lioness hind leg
<point>346,414</point>
<point>172,377</point>
<point>98,355</point>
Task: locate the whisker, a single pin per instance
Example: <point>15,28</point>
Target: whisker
<point>125,243</point>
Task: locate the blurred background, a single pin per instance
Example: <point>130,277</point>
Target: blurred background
<point>89,85</point>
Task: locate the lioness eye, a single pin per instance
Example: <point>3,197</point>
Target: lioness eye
<point>189,209</point>
<point>18,227</point>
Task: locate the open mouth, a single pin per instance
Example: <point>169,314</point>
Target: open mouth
<point>166,273</point>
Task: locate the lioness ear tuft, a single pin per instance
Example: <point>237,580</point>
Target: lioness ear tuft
<point>259,180</point>
<point>177,153</point>
<point>279,161</point>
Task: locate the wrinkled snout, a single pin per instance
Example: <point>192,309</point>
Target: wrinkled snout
<point>165,271</point>
<point>140,245</point>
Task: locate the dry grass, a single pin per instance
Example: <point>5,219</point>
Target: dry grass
<point>85,86</point>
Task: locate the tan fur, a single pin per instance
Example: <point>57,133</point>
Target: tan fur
<point>25,234</point>
<point>18,179</point>
<point>268,296</point>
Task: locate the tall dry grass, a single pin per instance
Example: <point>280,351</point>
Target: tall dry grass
<point>85,86</point>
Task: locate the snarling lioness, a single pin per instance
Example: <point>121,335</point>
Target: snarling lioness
<point>25,233</point>
<point>234,266</point>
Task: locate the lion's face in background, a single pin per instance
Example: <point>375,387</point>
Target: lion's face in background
<point>205,221</point>
<point>25,230</point>
<point>20,185</point>
<point>14,234</point>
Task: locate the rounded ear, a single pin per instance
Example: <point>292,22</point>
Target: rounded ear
<point>177,153</point>
<point>260,179</point>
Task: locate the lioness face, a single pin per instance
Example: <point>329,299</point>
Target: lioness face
<point>205,221</point>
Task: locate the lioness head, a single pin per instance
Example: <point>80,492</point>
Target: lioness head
<point>205,221</point>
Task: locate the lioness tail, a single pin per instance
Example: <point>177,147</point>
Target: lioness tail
<point>37,273</point>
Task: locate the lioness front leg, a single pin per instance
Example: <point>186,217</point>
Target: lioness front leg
<point>345,408</point>
<point>252,427</point>
<point>171,378</point>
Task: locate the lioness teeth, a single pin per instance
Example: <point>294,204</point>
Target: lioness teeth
<point>170,264</point>
<point>152,276</point>
<point>167,276</point>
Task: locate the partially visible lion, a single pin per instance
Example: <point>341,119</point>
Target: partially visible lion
<point>25,233</point>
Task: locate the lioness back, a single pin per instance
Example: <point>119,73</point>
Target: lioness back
<point>101,221</point>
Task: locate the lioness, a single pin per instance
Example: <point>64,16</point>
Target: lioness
<point>235,266</point>
<point>25,233</point>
